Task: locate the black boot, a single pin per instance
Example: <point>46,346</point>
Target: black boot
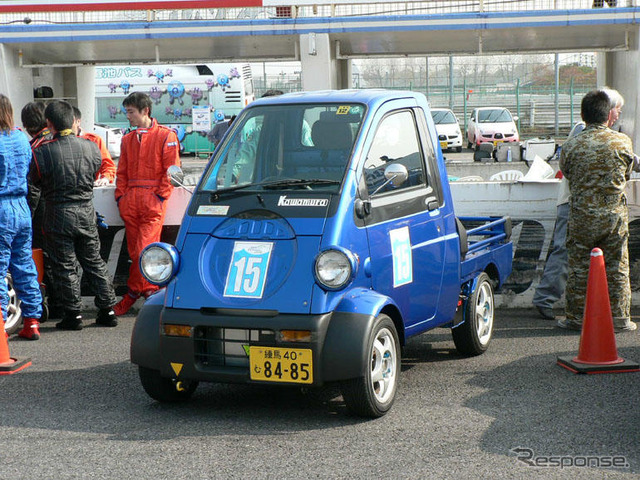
<point>107,318</point>
<point>70,321</point>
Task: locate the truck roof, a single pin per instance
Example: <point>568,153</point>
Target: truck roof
<point>369,97</point>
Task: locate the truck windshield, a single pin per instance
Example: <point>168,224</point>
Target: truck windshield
<point>286,147</point>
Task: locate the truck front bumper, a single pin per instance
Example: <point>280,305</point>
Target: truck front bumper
<point>217,348</point>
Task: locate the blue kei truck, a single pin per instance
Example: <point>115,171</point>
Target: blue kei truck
<point>320,237</point>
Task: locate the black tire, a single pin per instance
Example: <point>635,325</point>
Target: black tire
<point>372,395</point>
<point>473,336</point>
<point>164,389</point>
<point>459,149</point>
<point>45,305</point>
<point>14,311</point>
<point>45,312</point>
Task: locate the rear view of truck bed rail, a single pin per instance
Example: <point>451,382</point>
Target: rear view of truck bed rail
<point>498,229</point>
<point>487,238</point>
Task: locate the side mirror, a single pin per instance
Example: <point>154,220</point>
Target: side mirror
<point>516,118</point>
<point>396,174</point>
<point>176,176</point>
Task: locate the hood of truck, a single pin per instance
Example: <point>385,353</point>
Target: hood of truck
<point>256,259</point>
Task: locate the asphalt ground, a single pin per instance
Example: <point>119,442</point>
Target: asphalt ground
<point>80,412</point>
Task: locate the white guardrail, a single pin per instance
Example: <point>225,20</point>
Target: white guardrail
<point>531,205</point>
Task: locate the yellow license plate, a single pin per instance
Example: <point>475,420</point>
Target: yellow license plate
<point>497,142</point>
<point>444,145</point>
<point>290,365</point>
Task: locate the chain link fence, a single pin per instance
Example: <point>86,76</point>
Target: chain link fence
<point>535,107</point>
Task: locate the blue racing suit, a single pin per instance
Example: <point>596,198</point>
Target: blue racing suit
<point>15,225</point>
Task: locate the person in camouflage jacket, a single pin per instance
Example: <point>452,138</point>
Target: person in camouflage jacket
<point>597,164</point>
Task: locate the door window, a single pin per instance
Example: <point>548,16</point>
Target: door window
<point>396,141</point>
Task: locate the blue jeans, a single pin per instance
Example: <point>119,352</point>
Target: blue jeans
<point>554,277</point>
<point>16,257</point>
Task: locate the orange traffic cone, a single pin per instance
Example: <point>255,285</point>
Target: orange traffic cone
<point>9,365</point>
<point>598,352</point>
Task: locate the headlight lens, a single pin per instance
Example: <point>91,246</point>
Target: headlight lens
<point>333,269</point>
<point>158,263</point>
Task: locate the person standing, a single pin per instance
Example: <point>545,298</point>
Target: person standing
<point>35,124</point>
<point>15,224</point>
<point>554,278</point>
<point>107,172</point>
<point>218,131</point>
<point>143,188</point>
<point>597,163</point>
<point>32,116</point>
<point>64,169</point>
<point>33,121</point>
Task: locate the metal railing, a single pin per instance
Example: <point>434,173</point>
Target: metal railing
<point>319,10</point>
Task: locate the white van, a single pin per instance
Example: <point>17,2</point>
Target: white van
<point>112,137</point>
<point>225,88</point>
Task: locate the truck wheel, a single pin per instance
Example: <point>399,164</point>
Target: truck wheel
<point>164,389</point>
<point>472,337</point>
<point>14,311</point>
<point>458,149</point>
<point>373,394</point>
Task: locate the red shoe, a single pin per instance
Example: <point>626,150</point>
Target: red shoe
<point>30,329</point>
<point>124,305</point>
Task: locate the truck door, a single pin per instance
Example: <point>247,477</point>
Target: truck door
<point>404,223</point>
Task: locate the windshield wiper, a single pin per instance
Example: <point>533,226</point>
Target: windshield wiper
<point>245,185</point>
<point>300,182</point>
<point>277,183</point>
<point>233,188</point>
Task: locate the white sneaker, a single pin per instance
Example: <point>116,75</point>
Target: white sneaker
<point>629,327</point>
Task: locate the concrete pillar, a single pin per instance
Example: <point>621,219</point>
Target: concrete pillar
<point>619,70</point>
<point>86,95</point>
<point>346,74</point>
<point>16,82</point>
<point>320,69</point>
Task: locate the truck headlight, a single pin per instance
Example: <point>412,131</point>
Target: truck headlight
<point>334,268</point>
<point>159,263</point>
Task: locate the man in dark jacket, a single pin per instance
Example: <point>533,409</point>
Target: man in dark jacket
<point>35,124</point>
<point>64,169</point>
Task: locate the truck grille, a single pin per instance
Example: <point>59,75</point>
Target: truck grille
<point>224,347</point>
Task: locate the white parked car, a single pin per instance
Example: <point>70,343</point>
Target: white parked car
<point>448,128</point>
<point>491,125</point>
<point>112,136</point>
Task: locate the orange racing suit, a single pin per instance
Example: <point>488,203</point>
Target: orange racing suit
<point>142,191</point>
<point>108,167</point>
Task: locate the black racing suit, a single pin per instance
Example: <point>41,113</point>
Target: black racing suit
<point>64,170</point>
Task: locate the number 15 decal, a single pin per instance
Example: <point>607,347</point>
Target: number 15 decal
<point>402,258</point>
<point>248,269</point>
